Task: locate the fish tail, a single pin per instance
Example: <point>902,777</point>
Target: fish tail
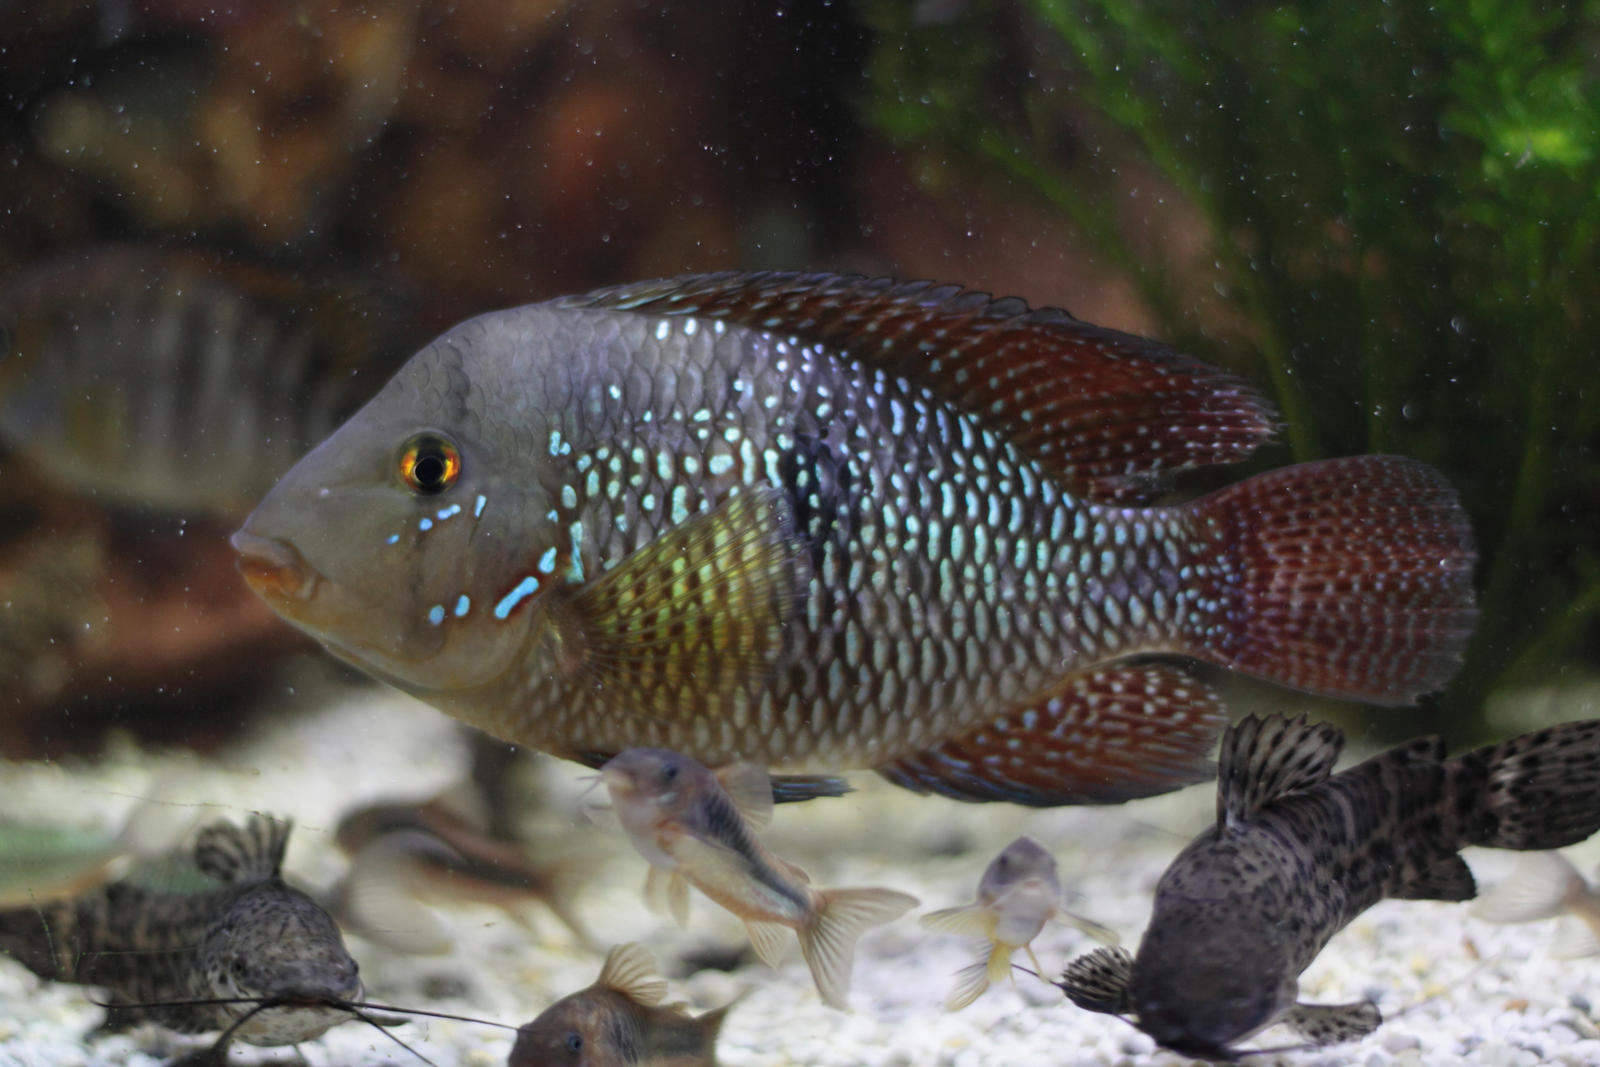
<point>971,983</point>
<point>828,941</point>
<point>1539,791</point>
<point>1543,885</point>
<point>1350,577</point>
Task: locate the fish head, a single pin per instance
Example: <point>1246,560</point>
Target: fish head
<point>1024,860</point>
<point>657,794</point>
<point>401,541</point>
<point>592,1028</point>
<point>272,942</point>
<point>1219,993</point>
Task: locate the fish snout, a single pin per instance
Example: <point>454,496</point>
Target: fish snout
<point>273,567</point>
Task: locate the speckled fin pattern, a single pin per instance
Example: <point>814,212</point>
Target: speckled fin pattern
<point>251,853</point>
<point>1154,727</point>
<point>1109,414</point>
<point>1331,1024</point>
<point>1099,981</point>
<point>1355,578</point>
<point>1265,758</point>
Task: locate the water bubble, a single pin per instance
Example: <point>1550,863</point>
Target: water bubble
<point>1458,324</point>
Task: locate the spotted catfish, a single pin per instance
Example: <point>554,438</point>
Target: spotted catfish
<point>825,521</point>
<point>243,952</point>
<point>1297,853</point>
<point>620,1021</point>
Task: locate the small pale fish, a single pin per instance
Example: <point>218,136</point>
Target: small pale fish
<point>181,380</point>
<point>1019,892</point>
<point>620,1021</point>
<point>1545,885</point>
<point>238,933</point>
<point>1297,852</point>
<point>825,522</point>
<point>407,855</point>
<point>698,828</point>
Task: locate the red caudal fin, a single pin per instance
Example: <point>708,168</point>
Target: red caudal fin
<point>1351,577</point>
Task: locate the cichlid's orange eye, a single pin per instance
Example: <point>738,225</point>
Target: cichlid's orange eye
<point>429,463</point>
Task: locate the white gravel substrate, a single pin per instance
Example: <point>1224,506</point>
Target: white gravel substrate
<point>1454,990</point>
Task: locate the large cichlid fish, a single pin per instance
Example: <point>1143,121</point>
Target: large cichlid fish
<point>819,520</point>
<point>1297,852</point>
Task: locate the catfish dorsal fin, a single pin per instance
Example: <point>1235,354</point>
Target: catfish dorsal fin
<point>631,970</point>
<point>1262,758</point>
<point>238,854</point>
<point>1108,413</point>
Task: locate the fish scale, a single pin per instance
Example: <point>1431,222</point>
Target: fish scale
<point>826,521</point>
<point>957,645</point>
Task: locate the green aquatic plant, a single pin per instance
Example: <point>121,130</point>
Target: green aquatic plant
<point>1402,202</point>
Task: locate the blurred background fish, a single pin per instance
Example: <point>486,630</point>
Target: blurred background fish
<point>1545,885</point>
<point>147,395</point>
<point>406,856</point>
<point>183,381</point>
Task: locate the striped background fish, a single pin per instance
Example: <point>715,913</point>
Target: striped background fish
<point>181,380</point>
<point>825,521</point>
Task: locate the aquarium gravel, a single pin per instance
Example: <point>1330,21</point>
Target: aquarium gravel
<point>1452,989</point>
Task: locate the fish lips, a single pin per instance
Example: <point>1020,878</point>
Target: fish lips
<point>273,568</point>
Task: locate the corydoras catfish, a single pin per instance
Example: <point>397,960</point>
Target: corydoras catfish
<point>170,956</point>
<point>1298,852</point>
<point>1019,892</point>
<point>619,1022</point>
<point>406,855</point>
<point>698,828</point>
<point>820,521</point>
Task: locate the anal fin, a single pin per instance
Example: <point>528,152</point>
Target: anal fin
<point>1099,981</point>
<point>1331,1024</point>
<point>1103,736</point>
<point>1445,879</point>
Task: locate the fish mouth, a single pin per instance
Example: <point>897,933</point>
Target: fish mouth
<point>273,568</point>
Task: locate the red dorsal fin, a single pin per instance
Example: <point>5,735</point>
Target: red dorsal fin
<point>1109,414</point>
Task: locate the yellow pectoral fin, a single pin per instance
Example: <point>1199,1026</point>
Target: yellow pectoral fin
<point>688,624</point>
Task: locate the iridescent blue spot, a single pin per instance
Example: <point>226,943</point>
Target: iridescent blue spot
<point>463,605</point>
<point>425,524</point>
<point>689,327</point>
<point>547,562</point>
<point>525,588</point>
<point>436,614</point>
<point>477,508</point>
<point>720,464</point>
<point>569,497</point>
<point>448,513</point>
<point>392,539</point>
<point>663,330</point>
